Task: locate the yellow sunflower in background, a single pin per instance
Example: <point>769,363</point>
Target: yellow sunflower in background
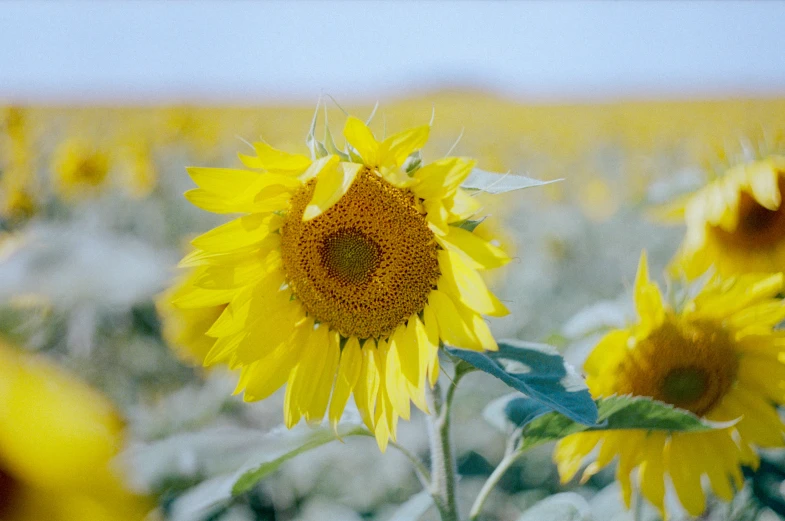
<point>57,440</point>
<point>719,357</point>
<point>343,277</point>
<point>737,222</point>
<point>80,168</point>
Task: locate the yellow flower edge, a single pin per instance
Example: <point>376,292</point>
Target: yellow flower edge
<point>719,357</point>
<point>736,223</point>
<point>343,277</point>
<point>57,441</point>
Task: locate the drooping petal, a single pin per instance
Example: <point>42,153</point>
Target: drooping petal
<point>466,285</point>
<point>452,327</point>
<point>476,251</point>
<point>324,378</point>
<point>686,478</point>
<point>367,387</point>
<point>331,185</point>
<point>348,373</point>
<point>271,372</point>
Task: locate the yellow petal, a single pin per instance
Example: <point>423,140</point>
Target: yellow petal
<point>367,387</point>
<point>461,205</point>
<point>348,373</point>
<point>360,137</point>
<point>437,216</point>
<point>239,233</point>
<point>432,333</point>
<point>648,301</point>
<point>764,183</point>
<point>394,382</point>
<point>275,160</point>
<point>333,182</point>
<point>686,478</point>
<point>271,372</point>
<point>195,297</point>
<point>440,178</point>
<point>226,182</point>
<point>652,471</point>
<point>396,148</point>
<point>273,322</point>
<point>570,452</point>
<point>474,250</point>
<point>324,377</point>
<point>465,285</point>
<point>452,328</point>
<point>306,377</point>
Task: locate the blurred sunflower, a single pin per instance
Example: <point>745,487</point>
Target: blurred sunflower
<point>57,440</point>
<point>80,168</point>
<point>737,222</point>
<point>719,357</point>
<point>17,170</point>
<point>344,276</point>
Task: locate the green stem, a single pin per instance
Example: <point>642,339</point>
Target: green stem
<point>511,455</point>
<point>443,470</point>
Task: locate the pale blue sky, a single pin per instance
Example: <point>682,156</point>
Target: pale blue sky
<point>256,52</point>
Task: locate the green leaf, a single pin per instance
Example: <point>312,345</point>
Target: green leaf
<point>413,162</point>
<point>498,183</point>
<point>469,224</point>
<point>614,413</point>
<point>250,478</point>
<point>539,372</point>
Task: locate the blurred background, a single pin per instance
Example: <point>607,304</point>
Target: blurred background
<point>103,104</point>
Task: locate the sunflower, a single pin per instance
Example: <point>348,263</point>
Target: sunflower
<point>343,276</point>
<point>80,168</point>
<point>719,357</point>
<point>57,440</point>
<point>737,222</point>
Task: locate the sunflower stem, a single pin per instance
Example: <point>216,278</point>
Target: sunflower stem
<point>511,455</point>
<point>443,469</point>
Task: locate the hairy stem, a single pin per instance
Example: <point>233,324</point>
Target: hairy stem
<point>443,470</point>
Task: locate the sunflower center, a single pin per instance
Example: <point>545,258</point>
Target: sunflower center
<point>9,487</point>
<point>691,365</point>
<point>350,255</point>
<point>684,384</point>
<point>365,265</point>
<point>758,227</point>
<point>92,170</point>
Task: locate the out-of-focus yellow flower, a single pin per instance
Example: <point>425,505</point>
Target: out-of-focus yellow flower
<point>57,440</point>
<point>719,357</point>
<point>737,222</point>
<point>17,171</point>
<point>185,328</point>
<point>343,276</point>
<point>80,168</point>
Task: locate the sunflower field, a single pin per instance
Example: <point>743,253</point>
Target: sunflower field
<point>232,354</point>
<point>453,304</point>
